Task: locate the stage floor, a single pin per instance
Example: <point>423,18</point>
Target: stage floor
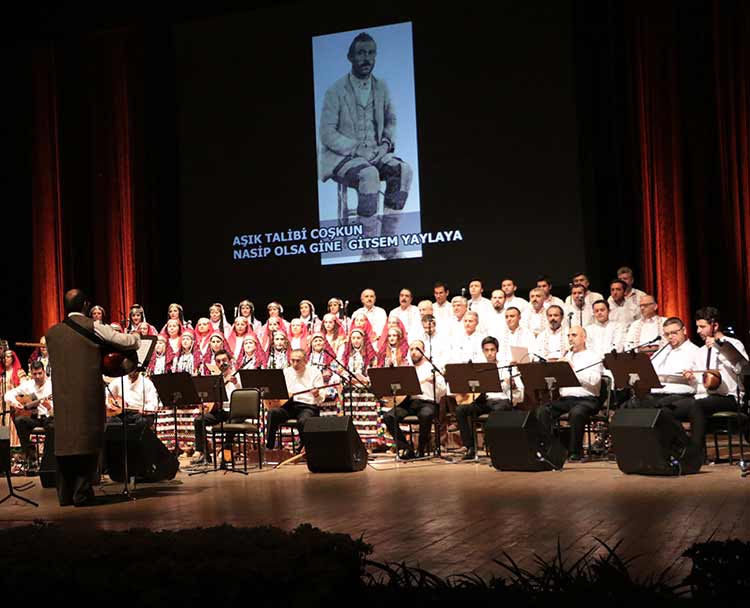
<point>446,518</point>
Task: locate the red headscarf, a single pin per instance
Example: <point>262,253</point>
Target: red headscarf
<point>260,356</point>
<point>203,338</point>
<point>369,334</point>
<point>235,340</point>
<point>16,367</point>
<point>403,351</point>
<point>270,350</point>
<point>368,353</point>
<point>208,357</point>
<point>303,337</point>
<point>384,336</point>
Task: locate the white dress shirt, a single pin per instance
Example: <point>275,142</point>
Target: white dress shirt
<point>436,347</point>
<point>518,303</point>
<point>309,378</point>
<point>553,300</point>
<point>551,344</point>
<point>672,362</point>
<point>410,317</point>
<point>624,313</point>
<point>643,330</point>
<point>29,388</point>
<point>520,337</point>
<point>424,373</point>
<point>535,322</point>
<point>580,316</point>
<point>588,299</point>
<point>729,377</point>
<point>465,348</point>
<point>496,325</point>
<point>139,395</point>
<point>589,378</point>
<point>442,313</point>
<point>483,308</point>
<point>603,338</point>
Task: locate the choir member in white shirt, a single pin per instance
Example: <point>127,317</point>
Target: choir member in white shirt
<point>535,317</point>
<point>514,335</point>
<point>621,309</point>
<point>442,308</point>
<point>220,411</point>
<point>425,308</point>
<point>140,401</point>
<point>423,406</point>
<point>484,403</point>
<point>39,386</point>
<point>604,335</point>
<point>375,315</point>
<point>544,283</point>
<point>509,288</point>
<point>437,347</point>
<point>648,327</point>
<point>304,383</point>
<point>632,294</point>
<point>552,344</point>
<point>495,323</point>
<point>407,312</point>
<point>455,323</point>
<point>466,347</point>
<point>479,304</point>
<point>589,296</point>
<point>718,390</point>
<point>674,363</point>
<point>578,312</point>
<point>579,402</point>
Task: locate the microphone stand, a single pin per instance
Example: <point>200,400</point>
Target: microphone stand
<point>350,378</point>
<point>435,371</point>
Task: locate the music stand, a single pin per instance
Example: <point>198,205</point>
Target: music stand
<point>394,382</point>
<point>212,389</point>
<point>547,376</point>
<point>271,384</point>
<point>634,371</point>
<point>176,390</point>
<point>5,468</point>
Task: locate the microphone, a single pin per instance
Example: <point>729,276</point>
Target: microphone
<point>570,318</point>
<point>542,359</point>
<point>236,311</point>
<point>346,305</point>
<point>463,292</point>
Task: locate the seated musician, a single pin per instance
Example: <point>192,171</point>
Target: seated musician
<point>141,400</point>
<point>27,416</point>
<point>216,413</point>
<point>423,406</point>
<point>718,390</point>
<point>483,404</point>
<point>579,402</point>
<point>305,385</point>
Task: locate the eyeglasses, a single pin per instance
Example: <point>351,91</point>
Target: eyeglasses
<point>674,332</point>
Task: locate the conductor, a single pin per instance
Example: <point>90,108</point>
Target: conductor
<point>75,352</point>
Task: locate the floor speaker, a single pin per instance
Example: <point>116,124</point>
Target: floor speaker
<point>650,441</point>
<point>333,445</point>
<point>514,440</point>
<point>149,460</point>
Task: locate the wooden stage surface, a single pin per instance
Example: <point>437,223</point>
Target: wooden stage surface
<point>446,518</point>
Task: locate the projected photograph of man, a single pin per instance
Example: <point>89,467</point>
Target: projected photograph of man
<point>367,142</point>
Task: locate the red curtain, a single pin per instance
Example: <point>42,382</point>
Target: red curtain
<point>731,38</point>
<point>657,120</point>
<point>47,261</point>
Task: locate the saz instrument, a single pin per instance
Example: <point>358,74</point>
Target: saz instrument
<point>29,403</point>
<point>276,403</point>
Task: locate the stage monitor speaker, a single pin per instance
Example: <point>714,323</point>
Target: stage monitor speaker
<point>514,442</point>
<point>333,445</point>
<point>650,441</point>
<point>149,459</point>
<point>4,449</point>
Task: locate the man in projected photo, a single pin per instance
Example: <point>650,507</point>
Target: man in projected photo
<point>357,138</point>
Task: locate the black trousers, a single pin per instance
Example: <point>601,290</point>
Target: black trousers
<point>291,409</point>
<point>466,413</point>
<point>75,476</point>
<point>579,410</point>
<point>26,424</point>
<point>685,408</point>
<point>212,418</point>
<point>424,410</point>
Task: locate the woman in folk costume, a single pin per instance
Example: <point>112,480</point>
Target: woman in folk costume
<point>272,326</point>
<point>247,309</point>
<point>308,317</point>
<point>216,342</point>
<point>218,319</point>
<point>136,316</point>
<point>98,314</point>
<point>318,356</point>
<point>395,349</point>
<point>252,355</point>
<point>13,375</point>
<point>173,334</point>
<point>394,322</point>
<point>174,311</point>
<point>276,311</point>
<point>298,335</point>
<point>361,322</point>
<point>203,333</point>
<point>336,307</point>
<point>358,354</point>
<point>189,359</point>
<point>278,353</point>
<point>146,329</point>
<point>158,363</point>
<point>240,329</point>
<point>333,332</point>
